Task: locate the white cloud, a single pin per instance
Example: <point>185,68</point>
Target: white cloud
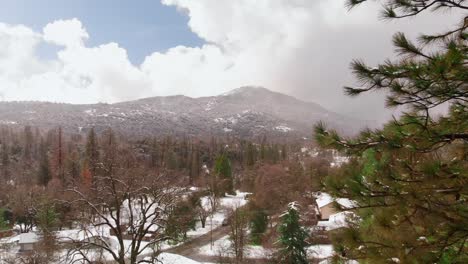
<point>80,74</point>
<point>301,47</point>
<point>65,33</point>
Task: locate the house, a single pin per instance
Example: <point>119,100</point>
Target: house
<point>27,241</point>
<point>325,205</point>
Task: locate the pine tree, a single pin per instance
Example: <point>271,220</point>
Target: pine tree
<point>5,161</point>
<point>409,179</point>
<point>258,225</point>
<point>58,160</point>
<point>224,171</point>
<point>44,174</point>
<point>92,153</point>
<point>292,237</point>
<point>28,143</point>
<point>3,222</point>
<point>194,170</point>
<point>47,220</point>
<point>251,155</point>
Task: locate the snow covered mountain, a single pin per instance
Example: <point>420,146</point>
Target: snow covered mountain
<point>243,112</point>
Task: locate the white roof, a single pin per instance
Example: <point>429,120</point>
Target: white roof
<point>323,199</point>
<point>28,238</point>
<point>335,221</point>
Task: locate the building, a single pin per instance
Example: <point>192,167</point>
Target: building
<point>27,241</point>
<point>326,207</point>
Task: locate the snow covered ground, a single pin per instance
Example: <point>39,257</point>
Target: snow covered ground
<point>320,251</point>
<point>169,258</point>
<point>9,246</point>
<point>221,247</point>
<point>225,204</point>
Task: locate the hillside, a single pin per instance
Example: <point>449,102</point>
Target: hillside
<point>244,112</point>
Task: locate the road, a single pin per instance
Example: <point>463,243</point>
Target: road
<point>190,249</point>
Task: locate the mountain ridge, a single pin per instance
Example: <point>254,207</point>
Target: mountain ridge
<point>244,112</point>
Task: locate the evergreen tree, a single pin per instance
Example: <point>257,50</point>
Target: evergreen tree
<point>28,143</point>
<point>258,226</point>
<point>284,152</point>
<point>73,167</point>
<point>5,161</point>
<point>194,170</point>
<point>154,153</point>
<point>292,237</point>
<point>409,179</point>
<point>44,174</point>
<point>92,153</point>
<point>47,220</point>
<point>58,160</point>
<point>251,154</point>
<point>224,171</point>
<point>3,222</point>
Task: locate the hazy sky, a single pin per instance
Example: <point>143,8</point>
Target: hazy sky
<point>114,50</point>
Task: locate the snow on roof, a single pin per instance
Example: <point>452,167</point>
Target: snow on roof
<point>335,221</point>
<point>346,203</point>
<point>323,199</point>
<point>28,238</point>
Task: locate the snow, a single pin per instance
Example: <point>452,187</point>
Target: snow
<point>80,235</point>
<point>90,111</point>
<point>328,261</point>
<point>205,168</point>
<point>283,129</point>
<point>212,222</point>
<point>221,247</point>
<point>320,251</point>
<point>225,204</point>
<point>335,221</point>
<point>234,201</point>
<point>28,238</point>
<point>323,199</point>
<point>209,106</point>
<point>169,258</point>
<point>6,122</point>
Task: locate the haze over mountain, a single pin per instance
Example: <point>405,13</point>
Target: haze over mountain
<point>243,112</point>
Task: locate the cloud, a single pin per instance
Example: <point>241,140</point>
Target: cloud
<point>299,47</point>
<point>65,33</point>
<point>80,74</point>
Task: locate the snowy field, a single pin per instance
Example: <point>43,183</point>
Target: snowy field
<point>9,246</point>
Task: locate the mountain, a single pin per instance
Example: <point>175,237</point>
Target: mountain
<point>243,112</point>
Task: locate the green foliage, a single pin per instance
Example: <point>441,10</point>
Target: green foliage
<point>3,221</point>
<point>224,171</point>
<point>410,177</point>
<point>292,238</point>
<point>92,152</point>
<point>47,218</point>
<point>44,173</point>
<point>181,219</point>
<point>258,226</point>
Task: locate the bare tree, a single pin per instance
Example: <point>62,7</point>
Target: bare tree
<point>238,233</point>
<point>126,216</point>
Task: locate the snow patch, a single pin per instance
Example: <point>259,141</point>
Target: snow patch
<point>283,129</point>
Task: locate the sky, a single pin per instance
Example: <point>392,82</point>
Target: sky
<point>87,51</point>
